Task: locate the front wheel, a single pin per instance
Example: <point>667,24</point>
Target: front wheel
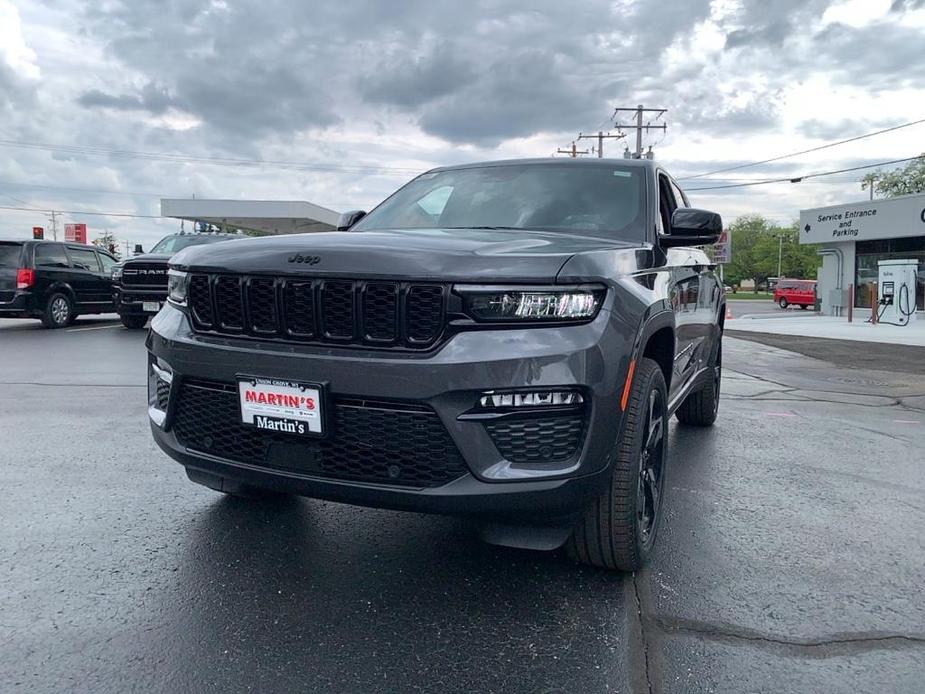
<point>783,303</point>
<point>618,529</point>
<point>134,322</point>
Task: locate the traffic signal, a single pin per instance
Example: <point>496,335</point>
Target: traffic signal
<point>38,233</point>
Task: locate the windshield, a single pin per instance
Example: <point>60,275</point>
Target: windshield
<point>173,244</point>
<point>603,200</point>
<point>9,254</point>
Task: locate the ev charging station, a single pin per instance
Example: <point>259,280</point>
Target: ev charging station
<point>896,291</point>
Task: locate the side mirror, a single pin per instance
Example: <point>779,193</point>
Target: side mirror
<point>692,227</point>
<point>348,219</point>
<point>138,249</point>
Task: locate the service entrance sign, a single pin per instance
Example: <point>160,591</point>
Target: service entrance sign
<point>863,221</point>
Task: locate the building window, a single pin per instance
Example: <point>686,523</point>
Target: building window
<point>867,255</point>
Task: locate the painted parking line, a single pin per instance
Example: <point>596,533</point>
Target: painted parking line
<point>780,414</point>
<point>906,421</point>
<point>95,327</point>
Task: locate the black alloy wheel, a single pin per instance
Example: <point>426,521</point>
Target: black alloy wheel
<point>651,469</point>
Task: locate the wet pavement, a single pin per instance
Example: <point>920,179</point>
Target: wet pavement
<point>791,558</point>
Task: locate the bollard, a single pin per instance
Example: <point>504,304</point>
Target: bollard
<point>850,302</point>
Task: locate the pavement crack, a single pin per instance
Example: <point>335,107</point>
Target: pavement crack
<point>818,647</point>
<point>642,633</point>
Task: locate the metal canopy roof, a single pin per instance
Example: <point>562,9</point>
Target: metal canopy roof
<point>263,216</point>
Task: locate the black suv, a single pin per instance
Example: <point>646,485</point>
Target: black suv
<point>54,281</point>
<point>503,340</point>
<point>140,283</point>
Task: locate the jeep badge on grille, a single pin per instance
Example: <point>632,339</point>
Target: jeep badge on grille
<point>305,259</point>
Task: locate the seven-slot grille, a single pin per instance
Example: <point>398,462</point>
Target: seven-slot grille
<point>147,275</point>
<point>360,312</point>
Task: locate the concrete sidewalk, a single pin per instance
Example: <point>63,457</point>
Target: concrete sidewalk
<point>812,325</point>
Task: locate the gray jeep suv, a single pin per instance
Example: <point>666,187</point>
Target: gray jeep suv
<point>504,340</point>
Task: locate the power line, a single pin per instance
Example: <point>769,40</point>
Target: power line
<point>84,212</point>
<point>638,126</point>
<point>805,151</point>
<point>800,179</point>
<point>86,150</point>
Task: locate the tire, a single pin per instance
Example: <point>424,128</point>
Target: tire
<point>59,311</point>
<point>618,529</point>
<point>701,407</point>
<point>133,322</point>
<point>783,303</point>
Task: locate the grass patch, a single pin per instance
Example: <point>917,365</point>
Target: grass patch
<point>750,296</point>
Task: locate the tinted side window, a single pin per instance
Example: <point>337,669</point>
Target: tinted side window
<point>9,254</point>
<point>679,198</point>
<point>107,261</point>
<point>666,202</point>
<point>50,255</point>
<point>85,259</point>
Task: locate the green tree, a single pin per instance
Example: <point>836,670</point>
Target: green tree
<point>756,242</point>
<point>107,241</point>
<point>905,181</point>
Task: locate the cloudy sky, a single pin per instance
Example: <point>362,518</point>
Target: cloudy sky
<point>344,101</point>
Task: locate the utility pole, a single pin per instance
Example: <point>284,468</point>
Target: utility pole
<point>54,224</point>
<point>600,140</point>
<point>573,152</point>
<point>638,126</point>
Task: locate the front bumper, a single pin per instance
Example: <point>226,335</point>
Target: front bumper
<point>130,301</point>
<point>592,359</point>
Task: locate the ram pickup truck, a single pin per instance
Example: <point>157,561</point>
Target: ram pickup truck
<point>140,283</point>
<point>504,341</point>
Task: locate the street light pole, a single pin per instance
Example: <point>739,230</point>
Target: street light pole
<point>780,250</point>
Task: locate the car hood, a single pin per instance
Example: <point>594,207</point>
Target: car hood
<point>442,254</point>
<point>148,258</point>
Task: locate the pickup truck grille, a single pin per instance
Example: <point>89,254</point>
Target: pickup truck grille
<point>145,275</point>
<point>370,313</point>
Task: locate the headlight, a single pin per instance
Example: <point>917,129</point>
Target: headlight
<point>512,304</point>
<point>177,286</point>
<point>116,272</point>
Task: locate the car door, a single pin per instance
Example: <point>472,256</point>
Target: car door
<point>683,291</point>
<point>87,276</point>
<point>52,266</point>
<point>107,262</point>
<point>704,329</point>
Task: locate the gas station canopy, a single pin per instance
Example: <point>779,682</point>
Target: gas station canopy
<point>261,216</point>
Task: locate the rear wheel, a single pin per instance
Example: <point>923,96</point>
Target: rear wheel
<point>59,311</point>
<point>618,529</point>
<point>134,322</point>
<point>701,407</point>
<point>783,303</point>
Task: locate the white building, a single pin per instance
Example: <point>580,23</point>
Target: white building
<point>264,216</point>
<point>853,238</point>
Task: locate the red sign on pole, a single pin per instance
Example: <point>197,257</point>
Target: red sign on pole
<point>38,233</point>
<point>75,232</point>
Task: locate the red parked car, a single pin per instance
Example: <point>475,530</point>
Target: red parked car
<point>800,293</point>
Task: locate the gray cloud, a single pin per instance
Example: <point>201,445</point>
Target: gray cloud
<point>149,98</point>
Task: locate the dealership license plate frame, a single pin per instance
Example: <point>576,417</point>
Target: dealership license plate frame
<point>321,387</point>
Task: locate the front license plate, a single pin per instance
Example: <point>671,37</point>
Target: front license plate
<point>282,406</point>
<point>150,306</point>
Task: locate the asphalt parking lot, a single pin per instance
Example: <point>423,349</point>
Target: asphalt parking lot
<point>792,557</point>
